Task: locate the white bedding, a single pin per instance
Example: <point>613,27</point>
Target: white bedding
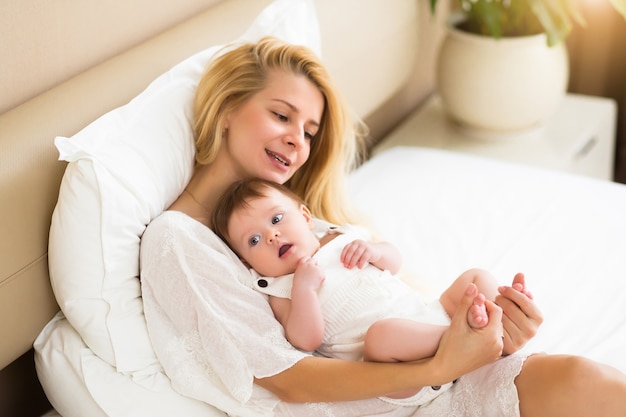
<point>447,212</point>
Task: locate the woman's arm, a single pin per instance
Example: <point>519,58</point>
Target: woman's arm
<point>317,379</point>
<point>301,316</point>
<point>462,349</point>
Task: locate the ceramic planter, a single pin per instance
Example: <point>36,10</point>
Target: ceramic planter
<point>500,86</point>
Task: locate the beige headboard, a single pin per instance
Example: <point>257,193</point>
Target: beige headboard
<point>65,64</point>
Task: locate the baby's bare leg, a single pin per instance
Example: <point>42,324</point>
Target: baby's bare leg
<point>400,340</point>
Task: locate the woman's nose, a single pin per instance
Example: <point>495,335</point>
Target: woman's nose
<point>295,138</point>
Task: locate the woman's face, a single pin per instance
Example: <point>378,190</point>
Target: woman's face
<point>270,135</point>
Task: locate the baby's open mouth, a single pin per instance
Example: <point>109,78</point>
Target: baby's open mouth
<point>284,248</point>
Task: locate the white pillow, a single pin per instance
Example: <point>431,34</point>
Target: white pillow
<point>124,169</point>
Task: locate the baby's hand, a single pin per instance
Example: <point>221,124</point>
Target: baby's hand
<point>359,253</point>
<point>308,275</point>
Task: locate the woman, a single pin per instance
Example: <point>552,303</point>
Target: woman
<point>269,110</point>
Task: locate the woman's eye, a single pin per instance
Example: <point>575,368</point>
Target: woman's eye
<point>277,218</point>
<point>254,240</point>
<point>309,136</point>
<point>281,117</point>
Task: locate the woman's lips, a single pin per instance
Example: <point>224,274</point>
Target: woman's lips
<point>281,159</point>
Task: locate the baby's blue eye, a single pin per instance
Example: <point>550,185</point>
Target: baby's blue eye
<point>277,218</point>
<point>254,240</point>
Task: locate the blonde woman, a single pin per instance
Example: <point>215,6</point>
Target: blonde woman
<point>270,110</point>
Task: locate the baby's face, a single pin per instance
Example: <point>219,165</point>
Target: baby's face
<point>272,234</point>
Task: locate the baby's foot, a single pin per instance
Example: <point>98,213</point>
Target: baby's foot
<point>477,316</point>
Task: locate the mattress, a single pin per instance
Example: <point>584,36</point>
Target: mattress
<point>448,212</point>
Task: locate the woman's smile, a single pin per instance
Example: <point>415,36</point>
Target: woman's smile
<point>279,160</point>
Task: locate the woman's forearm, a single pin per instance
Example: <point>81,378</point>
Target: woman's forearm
<point>462,349</point>
<point>315,379</point>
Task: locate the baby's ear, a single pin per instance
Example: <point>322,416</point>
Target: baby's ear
<point>307,215</point>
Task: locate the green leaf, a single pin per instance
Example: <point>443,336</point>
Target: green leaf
<point>433,6</point>
<point>485,17</point>
<point>554,18</point>
<point>498,18</point>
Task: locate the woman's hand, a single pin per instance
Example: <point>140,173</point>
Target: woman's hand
<point>462,348</point>
<point>521,317</point>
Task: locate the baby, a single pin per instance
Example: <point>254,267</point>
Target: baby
<point>333,290</point>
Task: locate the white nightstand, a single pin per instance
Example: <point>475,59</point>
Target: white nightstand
<point>579,138</point>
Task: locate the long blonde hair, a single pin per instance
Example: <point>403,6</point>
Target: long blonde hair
<point>237,74</point>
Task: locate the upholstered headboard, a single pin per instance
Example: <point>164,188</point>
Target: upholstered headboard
<point>64,65</point>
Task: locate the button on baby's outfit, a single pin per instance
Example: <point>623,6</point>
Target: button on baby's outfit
<point>422,397</point>
<point>262,283</point>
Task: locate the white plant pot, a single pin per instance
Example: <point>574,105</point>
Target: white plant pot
<point>500,87</point>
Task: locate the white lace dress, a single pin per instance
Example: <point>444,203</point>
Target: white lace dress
<point>213,334</point>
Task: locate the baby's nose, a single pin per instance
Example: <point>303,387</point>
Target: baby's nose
<point>272,235</point>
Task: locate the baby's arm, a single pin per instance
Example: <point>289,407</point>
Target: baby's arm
<point>301,315</point>
<point>382,255</point>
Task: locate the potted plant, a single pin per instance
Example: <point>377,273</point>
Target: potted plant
<point>503,65</point>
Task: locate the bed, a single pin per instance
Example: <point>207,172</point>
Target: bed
<point>74,208</point>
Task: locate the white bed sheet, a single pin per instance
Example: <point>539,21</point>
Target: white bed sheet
<point>447,212</point>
